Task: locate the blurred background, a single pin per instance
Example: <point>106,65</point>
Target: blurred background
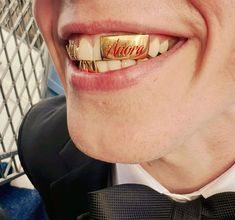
<point>26,77</point>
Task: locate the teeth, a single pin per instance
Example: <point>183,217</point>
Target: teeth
<point>90,58</point>
<point>164,46</point>
<point>88,66</point>
<point>127,63</point>
<point>85,50</point>
<point>154,47</point>
<point>172,42</point>
<point>114,64</point>
<point>73,50</point>
<point>102,66</point>
<point>139,61</point>
<point>96,51</point>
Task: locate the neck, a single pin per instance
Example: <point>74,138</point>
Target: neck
<point>200,160</point>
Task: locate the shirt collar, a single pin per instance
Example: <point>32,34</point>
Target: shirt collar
<point>134,173</point>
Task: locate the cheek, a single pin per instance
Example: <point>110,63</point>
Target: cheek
<point>46,13</point>
<point>221,11</point>
<point>42,10</point>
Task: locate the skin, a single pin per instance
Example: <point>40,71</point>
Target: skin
<point>178,122</point>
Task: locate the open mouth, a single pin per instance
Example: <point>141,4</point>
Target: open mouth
<point>108,52</point>
<point>110,60</point>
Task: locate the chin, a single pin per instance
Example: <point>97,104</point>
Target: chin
<point>132,144</point>
<point>120,151</point>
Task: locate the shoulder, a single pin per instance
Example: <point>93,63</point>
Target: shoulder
<point>57,169</point>
<point>42,135</point>
<point>44,120</point>
<point>47,114</point>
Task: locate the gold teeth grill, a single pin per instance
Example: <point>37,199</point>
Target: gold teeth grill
<point>125,49</point>
<point>73,50</point>
<point>88,66</point>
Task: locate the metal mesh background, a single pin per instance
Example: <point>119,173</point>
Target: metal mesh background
<point>23,75</point>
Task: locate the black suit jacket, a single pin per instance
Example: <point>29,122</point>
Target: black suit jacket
<point>59,171</point>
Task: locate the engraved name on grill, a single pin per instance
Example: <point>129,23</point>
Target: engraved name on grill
<point>122,47</point>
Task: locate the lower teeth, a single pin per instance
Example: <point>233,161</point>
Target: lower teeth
<point>95,66</point>
<point>87,66</point>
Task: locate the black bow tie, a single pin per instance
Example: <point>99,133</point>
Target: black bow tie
<point>139,202</point>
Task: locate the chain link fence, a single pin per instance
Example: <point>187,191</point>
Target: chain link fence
<point>23,74</point>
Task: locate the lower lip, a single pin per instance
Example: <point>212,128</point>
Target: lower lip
<point>117,79</point>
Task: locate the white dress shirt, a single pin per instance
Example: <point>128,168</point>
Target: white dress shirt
<point>134,173</point>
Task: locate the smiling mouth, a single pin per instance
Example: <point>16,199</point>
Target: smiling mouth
<point>105,53</point>
<point>102,58</point>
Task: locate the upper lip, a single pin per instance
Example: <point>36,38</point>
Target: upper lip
<point>107,26</point>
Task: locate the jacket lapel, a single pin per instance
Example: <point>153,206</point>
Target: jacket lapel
<point>69,193</point>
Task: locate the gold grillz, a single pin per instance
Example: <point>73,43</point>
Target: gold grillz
<point>123,50</point>
<point>73,50</point>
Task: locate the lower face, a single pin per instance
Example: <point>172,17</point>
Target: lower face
<point>149,109</point>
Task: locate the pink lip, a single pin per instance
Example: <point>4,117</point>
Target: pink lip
<point>102,82</point>
<point>118,79</point>
<point>99,27</point>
